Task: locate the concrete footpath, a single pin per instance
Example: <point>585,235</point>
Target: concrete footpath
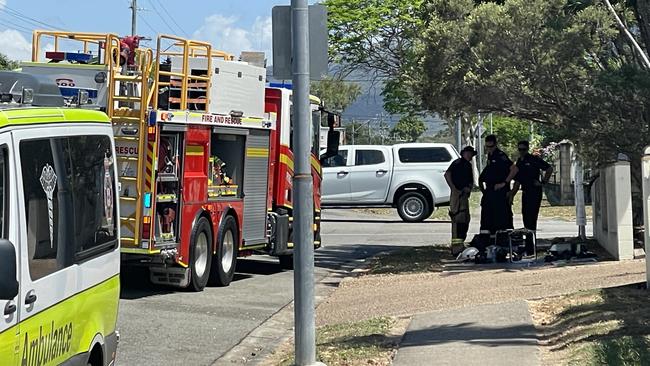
<point>496,334</point>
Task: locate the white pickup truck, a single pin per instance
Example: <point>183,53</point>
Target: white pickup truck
<point>409,177</point>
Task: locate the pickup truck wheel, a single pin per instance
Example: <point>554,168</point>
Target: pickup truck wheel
<point>413,207</point>
<point>224,263</point>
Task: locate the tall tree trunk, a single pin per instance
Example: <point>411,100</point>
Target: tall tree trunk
<point>642,12</point>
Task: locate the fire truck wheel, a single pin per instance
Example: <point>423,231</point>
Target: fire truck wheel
<point>200,257</point>
<point>223,269</point>
<point>286,261</point>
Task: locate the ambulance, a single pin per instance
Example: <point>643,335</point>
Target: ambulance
<point>59,227</point>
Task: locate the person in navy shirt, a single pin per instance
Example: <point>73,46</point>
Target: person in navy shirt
<point>528,178</point>
<point>494,182</point>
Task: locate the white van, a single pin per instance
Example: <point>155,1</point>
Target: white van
<point>59,238</point>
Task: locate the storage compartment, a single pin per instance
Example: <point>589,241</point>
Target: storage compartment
<point>226,165</point>
<point>236,86</point>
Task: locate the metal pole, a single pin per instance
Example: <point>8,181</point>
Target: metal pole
<point>459,133</point>
<point>491,127</point>
<point>303,283</point>
<point>134,15</point>
<point>581,216</point>
<point>645,166</point>
<point>479,143</point>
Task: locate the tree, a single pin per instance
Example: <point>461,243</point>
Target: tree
<point>510,131</point>
<point>7,64</point>
<point>337,94</point>
<point>409,128</point>
<point>378,39</point>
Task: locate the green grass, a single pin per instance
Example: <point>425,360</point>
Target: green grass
<point>598,327</point>
<point>411,260</point>
<point>359,343</point>
<point>546,211</point>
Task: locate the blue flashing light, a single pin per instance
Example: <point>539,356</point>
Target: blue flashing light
<point>152,118</point>
<point>73,92</point>
<point>69,56</point>
<point>147,200</point>
<point>281,86</point>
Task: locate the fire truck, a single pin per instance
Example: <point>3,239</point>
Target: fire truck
<point>203,150</point>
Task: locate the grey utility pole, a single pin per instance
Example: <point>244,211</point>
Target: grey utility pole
<point>303,283</point>
<point>459,133</point>
<point>491,126</point>
<point>134,15</point>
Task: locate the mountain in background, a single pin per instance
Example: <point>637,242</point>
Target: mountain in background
<point>369,107</point>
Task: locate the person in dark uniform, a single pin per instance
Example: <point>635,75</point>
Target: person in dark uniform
<point>460,178</point>
<point>494,182</point>
<point>528,178</point>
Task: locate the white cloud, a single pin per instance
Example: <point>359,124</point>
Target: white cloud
<point>223,33</point>
<point>14,45</point>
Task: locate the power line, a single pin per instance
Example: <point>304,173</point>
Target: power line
<point>151,28</point>
<point>160,16</point>
<point>172,19</point>
<point>17,27</point>
<point>16,13</point>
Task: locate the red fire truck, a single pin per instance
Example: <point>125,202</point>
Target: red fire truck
<point>203,151</point>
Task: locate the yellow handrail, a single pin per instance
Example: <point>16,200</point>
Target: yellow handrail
<point>188,48</point>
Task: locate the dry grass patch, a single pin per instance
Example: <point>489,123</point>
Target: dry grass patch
<point>368,342</point>
<point>597,327</point>
<point>411,260</point>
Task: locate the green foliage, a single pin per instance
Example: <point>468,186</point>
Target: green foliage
<point>7,64</point>
<point>379,39</point>
<point>337,94</point>
<point>562,64</point>
<point>409,128</point>
<point>373,35</point>
<point>510,131</point>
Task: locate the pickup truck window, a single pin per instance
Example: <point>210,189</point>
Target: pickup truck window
<point>70,196</point>
<point>424,155</point>
<point>339,159</point>
<point>369,157</point>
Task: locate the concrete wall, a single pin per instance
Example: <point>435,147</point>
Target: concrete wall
<point>612,204</point>
<point>566,174</point>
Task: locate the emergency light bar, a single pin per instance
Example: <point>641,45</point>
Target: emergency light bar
<point>79,57</point>
<point>281,86</point>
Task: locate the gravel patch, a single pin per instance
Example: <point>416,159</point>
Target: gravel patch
<point>403,295</point>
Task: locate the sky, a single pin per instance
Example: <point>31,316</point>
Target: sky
<point>229,25</point>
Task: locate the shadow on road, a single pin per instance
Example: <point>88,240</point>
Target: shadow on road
<point>135,280</point>
<point>347,257</point>
<point>386,221</point>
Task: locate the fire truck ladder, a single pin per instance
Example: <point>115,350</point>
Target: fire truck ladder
<point>127,106</point>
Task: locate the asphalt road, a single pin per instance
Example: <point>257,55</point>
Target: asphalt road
<point>163,326</point>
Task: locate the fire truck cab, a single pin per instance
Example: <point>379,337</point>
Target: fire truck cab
<point>202,149</point>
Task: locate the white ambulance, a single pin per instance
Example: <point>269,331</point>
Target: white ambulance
<point>59,233</point>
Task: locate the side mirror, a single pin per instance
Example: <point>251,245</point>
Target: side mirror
<point>333,139</point>
<point>333,120</point>
<point>8,272</point>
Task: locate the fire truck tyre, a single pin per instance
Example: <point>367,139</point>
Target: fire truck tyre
<point>286,261</point>
<point>225,261</point>
<point>200,257</point>
<point>413,207</point>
